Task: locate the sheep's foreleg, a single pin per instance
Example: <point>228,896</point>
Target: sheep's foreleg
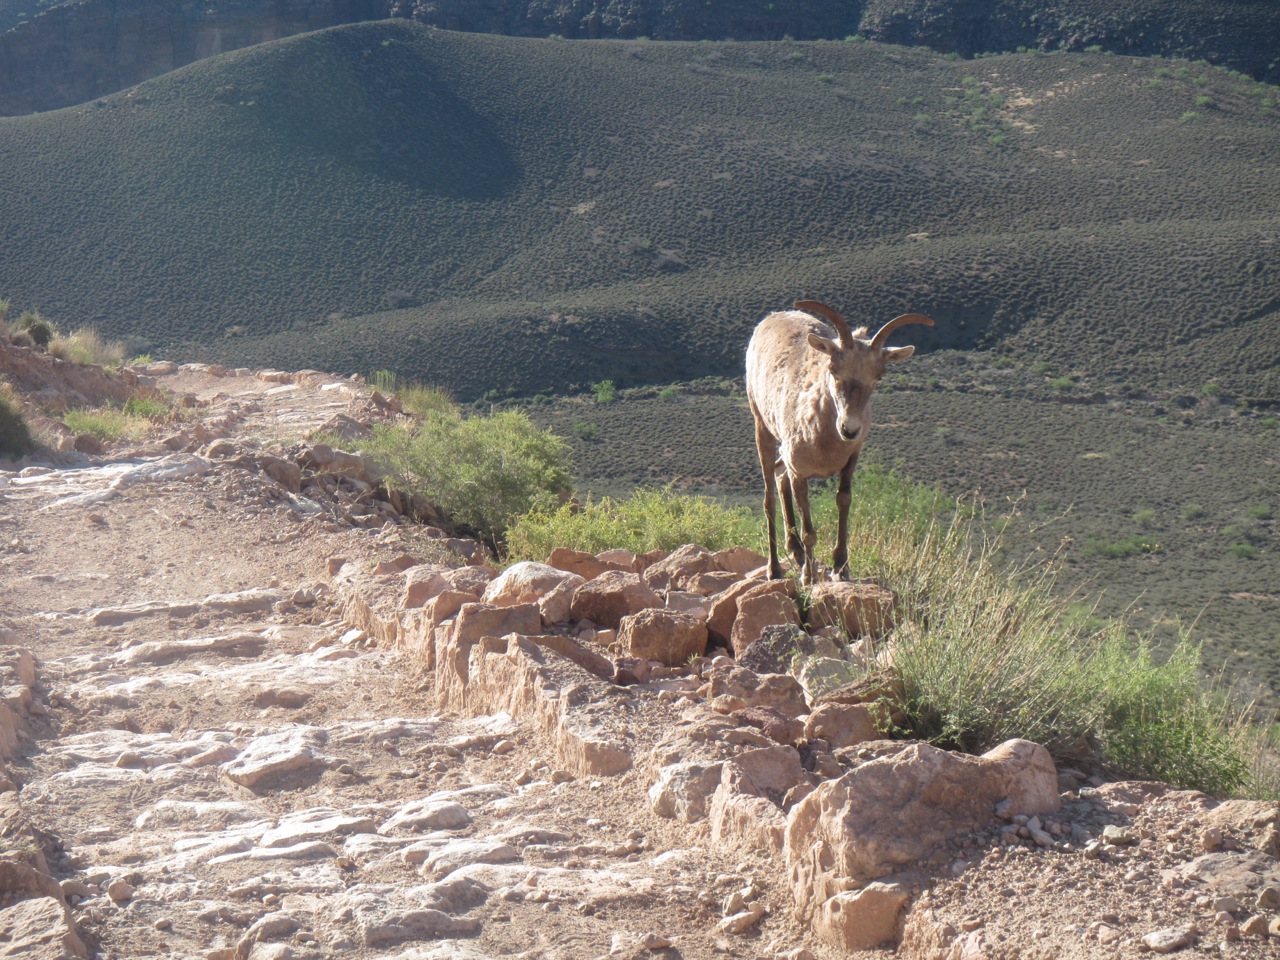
<point>840,562</point>
<point>795,545</point>
<point>809,562</point>
<point>767,449</point>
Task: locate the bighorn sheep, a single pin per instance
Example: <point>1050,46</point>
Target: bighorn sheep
<point>810,394</point>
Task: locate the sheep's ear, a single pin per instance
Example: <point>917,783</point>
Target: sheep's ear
<point>823,345</point>
<point>894,354</point>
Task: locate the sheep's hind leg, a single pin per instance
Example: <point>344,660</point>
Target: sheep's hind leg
<point>840,562</point>
<point>800,488</point>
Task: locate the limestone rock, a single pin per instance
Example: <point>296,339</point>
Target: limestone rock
<point>682,790</point>
<point>422,584</point>
<point>611,596</point>
<point>526,582</point>
<point>671,638</point>
<point>675,570</point>
<point>882,817</point>
<point>756,611</point>
<point>855,609</point>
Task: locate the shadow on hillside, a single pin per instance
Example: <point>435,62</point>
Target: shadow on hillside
<point>387,111</point>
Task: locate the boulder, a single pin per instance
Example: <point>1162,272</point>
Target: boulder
<point>473,579</point>
<point>671,638</point>
<point>611,596</point>
<point>856,609</point>
<point>844,724</point>
<point>755,612</point>
<point>672,572</point>
<point>422,585</point>
<point>526,582</point>
<point>895,810</point>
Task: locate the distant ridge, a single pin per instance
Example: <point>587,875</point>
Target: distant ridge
<point>517,216</point>
<point>75,51</point>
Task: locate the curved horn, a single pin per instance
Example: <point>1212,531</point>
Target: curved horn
<point>837,321</point>
<point>903,321</point>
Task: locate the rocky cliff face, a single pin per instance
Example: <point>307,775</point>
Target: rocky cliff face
<point>77,51</point>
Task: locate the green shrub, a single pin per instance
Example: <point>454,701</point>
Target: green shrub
<point>605,391</point>
<point>1210,391</point>
<point>1062,384</point>
<point>1188,116</point>
<point>669,393</point>
<point>1160,721</point>
<point>1269,422</point>
<point>1260,512</point>
<point>584,431</point>
<point>482,471</point>
<point>40,330</point>
<point>15,437</point>
<point>649,519</point>
<point>107,423</point>
<point>421,401</point>
<point>1145,517</point>
<point>1244,551</point>
<point>1204,102</point>
<point>1041,367</point>
<point>985,654</point>
<point>1193,511</point>
<point>1119,549</point>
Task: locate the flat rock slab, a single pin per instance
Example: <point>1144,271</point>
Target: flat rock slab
<point>297,748</point>
<point>463,853</point>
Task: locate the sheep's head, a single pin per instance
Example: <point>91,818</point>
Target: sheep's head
<point>856,364</point>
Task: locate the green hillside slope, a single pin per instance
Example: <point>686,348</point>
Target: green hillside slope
<point>529,215</point>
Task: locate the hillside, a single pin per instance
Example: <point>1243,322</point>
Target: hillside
<point>372,197</point>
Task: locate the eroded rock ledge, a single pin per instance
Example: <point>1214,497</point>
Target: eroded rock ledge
<point>609,658</point>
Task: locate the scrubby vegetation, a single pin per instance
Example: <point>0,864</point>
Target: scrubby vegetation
<point>132,420</point>
<point>483,471</point>
<point>87,346</point>
<point>649,519</point>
